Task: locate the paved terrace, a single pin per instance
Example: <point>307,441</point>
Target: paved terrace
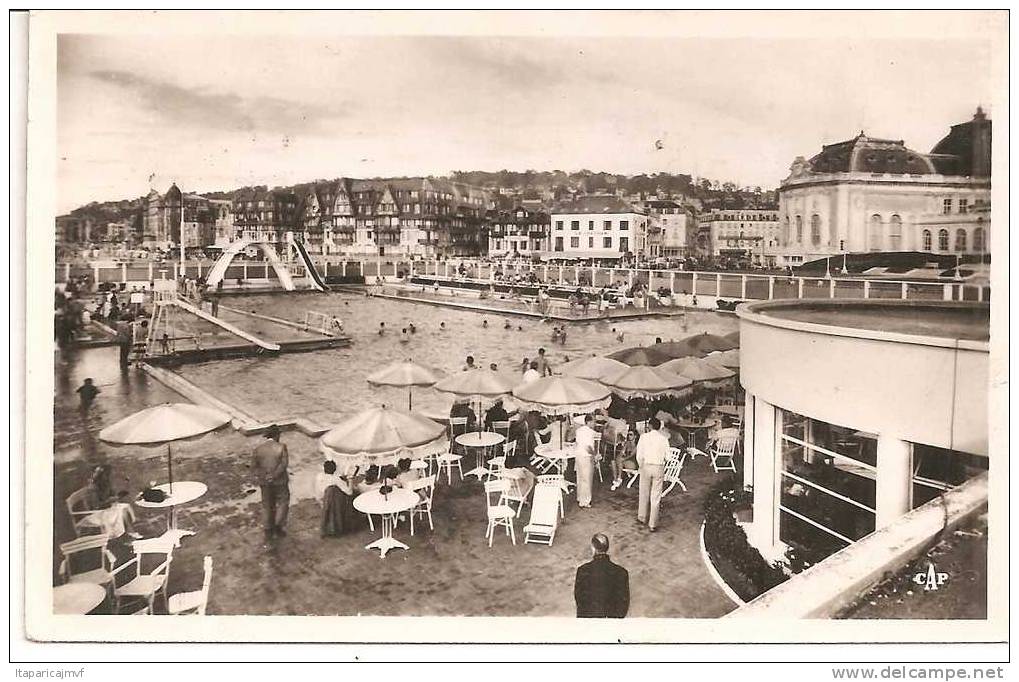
<point>450,571</point>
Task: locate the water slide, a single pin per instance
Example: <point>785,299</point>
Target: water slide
<point>309,266</point>
<point>268,345</point>
<point>215,275</point>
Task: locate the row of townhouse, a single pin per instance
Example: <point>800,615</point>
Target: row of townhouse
<point>404,216</point>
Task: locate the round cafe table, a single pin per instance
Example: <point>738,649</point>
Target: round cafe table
<point>730,410</point>
<point>691,426</point>
<point>182,493</point>
<point>387,506</point>
<point>480,441</point>
<point>77,598</point>
<point>559,457</point>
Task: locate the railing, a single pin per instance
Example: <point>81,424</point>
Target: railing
<point>706,285</point>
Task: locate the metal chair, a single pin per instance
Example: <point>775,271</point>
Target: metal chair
<point>449,460</point>
<point>81,549</point>
<point>722,454</point>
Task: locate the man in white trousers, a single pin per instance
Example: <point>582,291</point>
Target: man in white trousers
<point>584,460</point>
<point>652,449</point>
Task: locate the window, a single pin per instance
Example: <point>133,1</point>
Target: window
<point>799,230</point>
<point>894,233</point>
<point>828,484</point>
<point>624,244</point>
<point>815,229</point>
<point>590,224</point>
<point>978,239</point>
<point>960,240</point>
<point>607,242</point>
<point>926,240</point>
<point>946,206</point>
<point>574,224</point>
<point>624,224</point>
<point>558,224</point>
<point>942,240</point>
<point>607,224</point>
<point>785,230</point>
<point>558,243</point>
<point>963,205</point>
<point>590,242</point>
<point>874,233</point>
<point>574,242</point>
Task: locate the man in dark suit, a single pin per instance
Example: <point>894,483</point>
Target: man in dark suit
<point>602,588</point>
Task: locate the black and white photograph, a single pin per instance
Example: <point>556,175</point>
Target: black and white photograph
<point>407,323</point>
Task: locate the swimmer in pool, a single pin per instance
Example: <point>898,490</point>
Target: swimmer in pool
<point>520,329</point>
<point>412,328</point>
<point>507,325</point>
<point>382,328</point>
<point>404,336</point>
<point>442,326</point>
<point>484,324</point>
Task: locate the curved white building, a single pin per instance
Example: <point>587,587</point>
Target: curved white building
<point>858,411</point>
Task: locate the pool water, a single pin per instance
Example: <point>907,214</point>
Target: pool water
<point>328,385</point>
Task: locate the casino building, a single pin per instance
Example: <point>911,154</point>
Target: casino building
<point>871,194</point>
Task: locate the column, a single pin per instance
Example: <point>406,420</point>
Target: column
<point>325,269</point>
<point>176,271</point>
<point>767,458</point>
<point>947,293</point>
<point>831,288</point>
<point>244,273</point>
<point>560,269</point>
<point>150,271</point>
<point>672,283</point>
<point>544,274</point>
<point>199,268</point>
<point>905,291</point>
<point>693,285</point>
<point>894,478</point>
<point>866,288</point>
<point>630,276</point>
<point>718,285</point>
<point>743,286</point>
<point>771,287</point>
<point>748,440</point>
<point>799,290</point>
<point>123,273</point>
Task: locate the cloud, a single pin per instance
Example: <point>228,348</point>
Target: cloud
<point>225,111</point>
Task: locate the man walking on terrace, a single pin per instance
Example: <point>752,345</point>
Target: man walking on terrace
<point>652,449</point>
<point>269,467</point>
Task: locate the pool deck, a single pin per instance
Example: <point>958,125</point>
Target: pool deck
<point>614,315</point>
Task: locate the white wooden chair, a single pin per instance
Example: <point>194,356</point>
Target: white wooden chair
<point>497,464</point>
<point>502,428</point>
<point>457,427</point>
<point>88,548</point>
<point>500,514</point>
<point>81,516</point>
<point>145,586</point>
<point>449,460</point>
<point>425,487</point>
<point>542,464</point>
<point>192,603</point>
<point>598,457</point>
<point>673,470</point>
<point>544,521</point>
<point>722,454</point>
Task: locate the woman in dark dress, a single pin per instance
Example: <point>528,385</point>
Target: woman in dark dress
<point>337,496</point>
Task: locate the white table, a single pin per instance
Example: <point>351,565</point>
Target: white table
<point>559,457</point>
<point>481,441</point>
<point>386,506</point>
<point>77,598</point>
<point>183,492</point>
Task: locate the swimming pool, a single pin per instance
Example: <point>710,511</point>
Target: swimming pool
<point>328,385</point>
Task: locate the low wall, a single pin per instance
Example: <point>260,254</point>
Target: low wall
<point>826,589</point>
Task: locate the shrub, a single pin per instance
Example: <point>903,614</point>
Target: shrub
<point>740,564</point>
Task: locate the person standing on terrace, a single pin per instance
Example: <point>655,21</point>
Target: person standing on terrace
<point>269,468</point>
<point>601,588</point>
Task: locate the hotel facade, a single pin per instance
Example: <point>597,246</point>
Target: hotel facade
<point>596,227</point>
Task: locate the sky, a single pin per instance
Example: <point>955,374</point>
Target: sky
<point>214,112</point>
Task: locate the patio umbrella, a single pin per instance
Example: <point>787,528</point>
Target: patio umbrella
<point>407,374</point>
<point>680,349</point>
<point>733,337</point>
<point>647,382</point>
<point>700,371</point>
<point>381,435</point>
<point>594,367</point>
<point>476,384</point>
<point>710,342</point>
<point>728,359</point>
<point>163,424</point>
<point>651,355</point>
<point>559,395</point>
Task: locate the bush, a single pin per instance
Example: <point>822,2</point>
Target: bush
<point>740,565</point>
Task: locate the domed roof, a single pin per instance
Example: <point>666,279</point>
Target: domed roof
<point>864,154</point>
